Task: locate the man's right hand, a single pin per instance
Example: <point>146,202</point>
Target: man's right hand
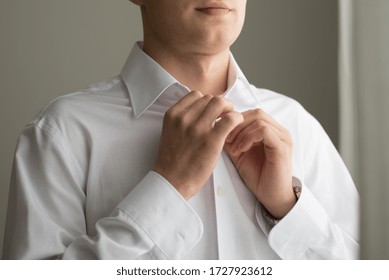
<point>193,135</point>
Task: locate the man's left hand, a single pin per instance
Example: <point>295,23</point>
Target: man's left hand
<point>261,150</point>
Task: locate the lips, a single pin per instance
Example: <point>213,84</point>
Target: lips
<point>214,8</point>
<point>214,11</point>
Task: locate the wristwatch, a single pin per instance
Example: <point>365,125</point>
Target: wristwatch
<point>269,218</point>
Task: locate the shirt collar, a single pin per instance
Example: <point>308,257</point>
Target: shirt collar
<point>146,80</point>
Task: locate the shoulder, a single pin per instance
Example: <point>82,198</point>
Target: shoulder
<point>72,122</point>
<point>79,107</point>
<point>281,106</point>
<point>304,127</point>
<point>79,118</point>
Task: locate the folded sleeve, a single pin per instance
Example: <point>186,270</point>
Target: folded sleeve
<point>46,211</point>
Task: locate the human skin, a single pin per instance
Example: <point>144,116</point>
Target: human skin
<point>191,39</point>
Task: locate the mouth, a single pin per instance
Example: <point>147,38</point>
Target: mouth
<point>214,9</point>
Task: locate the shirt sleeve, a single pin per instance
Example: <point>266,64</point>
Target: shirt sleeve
<point>324,223</point>
<point>46,211</point>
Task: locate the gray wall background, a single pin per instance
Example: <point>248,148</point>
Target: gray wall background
<point>52,47</point>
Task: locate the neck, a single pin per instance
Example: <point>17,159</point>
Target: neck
<point>207,73</point>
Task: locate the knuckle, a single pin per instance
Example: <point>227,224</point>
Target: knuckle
<point>170,115</point>
<point>265,129</point>
<point>229,118</point>
<point>227,102</point>
<point>258,113</point>
<point>233,118</point>
<point>207,97</point>
<point>175,119</point>
<point>218,100</point>
<point>260,123</point>
<point>230,121</point>
<point>183,121</point>
<point>197,93</point>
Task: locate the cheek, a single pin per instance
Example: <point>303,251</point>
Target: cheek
<point>235,27</point>
<point>160,20</point>
<point>242,15</point>
<point>169,14</point>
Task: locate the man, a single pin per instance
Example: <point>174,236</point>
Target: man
<point>180,158</point>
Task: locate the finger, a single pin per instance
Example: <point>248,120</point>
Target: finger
<point>188,117</point>
<point>267,136</point>
<point>216,107</point>
<point>226,124</point>
<point>250,117</point>
<point>194,111</point>
<point>255,126</point>
<point>258,135</point>
<point>260,114</point>
<point>185,102</point>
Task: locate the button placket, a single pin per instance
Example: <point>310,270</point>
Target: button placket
<point>220,191</point>
<point>220,204</point>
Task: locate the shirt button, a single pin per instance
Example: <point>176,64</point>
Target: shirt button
<point>220,191</point>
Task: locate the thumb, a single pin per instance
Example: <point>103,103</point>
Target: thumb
<point>226,124</point>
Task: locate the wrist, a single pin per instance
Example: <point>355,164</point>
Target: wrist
<point>273,213</point>
<point>280,210</point>
<point>186,190</point>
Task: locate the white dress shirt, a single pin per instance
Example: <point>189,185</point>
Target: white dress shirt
<point>82,185</point>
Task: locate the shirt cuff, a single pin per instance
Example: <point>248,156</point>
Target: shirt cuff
<point>301,228</point>
<point>265,226</point>
<point>164,215</point>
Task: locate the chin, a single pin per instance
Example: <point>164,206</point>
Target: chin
<point>219,44</point>
<point>217,39</point>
